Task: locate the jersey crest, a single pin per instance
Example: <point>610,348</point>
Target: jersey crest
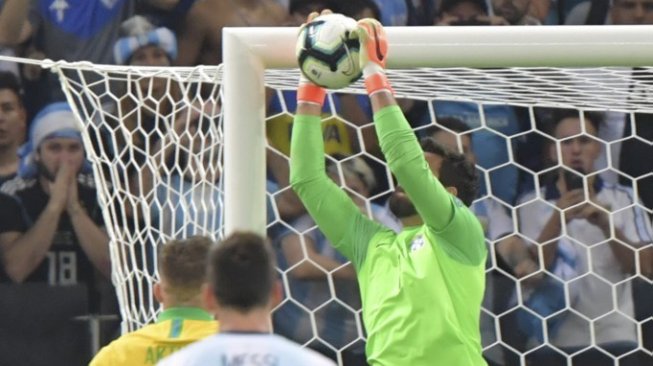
<point>417,243</point>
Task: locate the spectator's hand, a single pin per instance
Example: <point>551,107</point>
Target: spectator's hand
<point>59,188</point>
<point>569,199</point>
<point>528,267</point>
<point>596,216</point>
<point>72,203</point>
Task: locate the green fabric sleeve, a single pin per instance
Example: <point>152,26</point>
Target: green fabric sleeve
<point>406,160</point>
<point>346,227</point>
<point>440,211</point>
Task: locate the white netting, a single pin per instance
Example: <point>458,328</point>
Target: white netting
<point>154,137</point>
<point>152,192</point>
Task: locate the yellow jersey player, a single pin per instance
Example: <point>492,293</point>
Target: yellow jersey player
<point>182,266</point>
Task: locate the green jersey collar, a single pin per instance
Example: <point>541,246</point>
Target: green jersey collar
<point>187,313</point>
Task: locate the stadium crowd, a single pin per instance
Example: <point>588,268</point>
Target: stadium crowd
<point>567,213</point>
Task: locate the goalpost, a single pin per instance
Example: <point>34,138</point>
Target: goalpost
<point>155,191</point>
<point>249,51</point>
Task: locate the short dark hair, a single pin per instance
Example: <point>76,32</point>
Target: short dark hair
<point>8,80</point>
<point>447,123</point>
<point>182,263</point>
<point>560,114</point>
<point>456,171</point>
<point>242,271</point>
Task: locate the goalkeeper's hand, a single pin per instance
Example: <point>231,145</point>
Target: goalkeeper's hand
<point>373,54</point>
<point>307,91</point>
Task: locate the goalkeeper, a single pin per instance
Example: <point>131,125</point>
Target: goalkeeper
<point>422,288</point>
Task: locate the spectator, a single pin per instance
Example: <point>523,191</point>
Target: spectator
<point>12,224</point>
<point>627,134</point>
<point>516,12</point>
<point>179,165</point>
<point>57,198</point>
<point>490,147</point>
<point>625,156</point>
<point>594,215</point>
<point>546,11</point>
<point>60,30</point>
<point>146,117</point>
<point>64,244</point>
<point>620,12</point>
<point>200,31</point>
<point>242,290</point>
<point>310,260</point>
<point>9,31</point>
<point>183,320</point>
<point>13,123</point>
<point>466,12</point>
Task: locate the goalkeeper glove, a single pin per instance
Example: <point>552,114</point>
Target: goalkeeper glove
<point>373,55</point>
<point>307,91</point>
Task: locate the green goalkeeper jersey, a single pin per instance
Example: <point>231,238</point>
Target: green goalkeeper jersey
<point>421,289</point>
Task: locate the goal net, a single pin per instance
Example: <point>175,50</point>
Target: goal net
<point>181,151</point>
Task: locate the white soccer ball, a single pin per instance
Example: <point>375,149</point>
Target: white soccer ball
<point>326,54</point>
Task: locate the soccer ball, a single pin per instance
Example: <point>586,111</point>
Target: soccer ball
<point>326,54</point>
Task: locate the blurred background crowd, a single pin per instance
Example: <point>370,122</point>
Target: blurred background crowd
<point>567,207</point>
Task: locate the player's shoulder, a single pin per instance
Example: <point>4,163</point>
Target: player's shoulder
<point>129,340</point>
<point>116,351</point>
<point>194,353</point>
<point>468,215</point>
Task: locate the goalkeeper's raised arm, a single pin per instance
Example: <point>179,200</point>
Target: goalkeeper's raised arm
<point>334,212</point>
<point>421,288</point>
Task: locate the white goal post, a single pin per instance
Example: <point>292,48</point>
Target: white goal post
<point>582,68</point>
<point>248,52</point>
